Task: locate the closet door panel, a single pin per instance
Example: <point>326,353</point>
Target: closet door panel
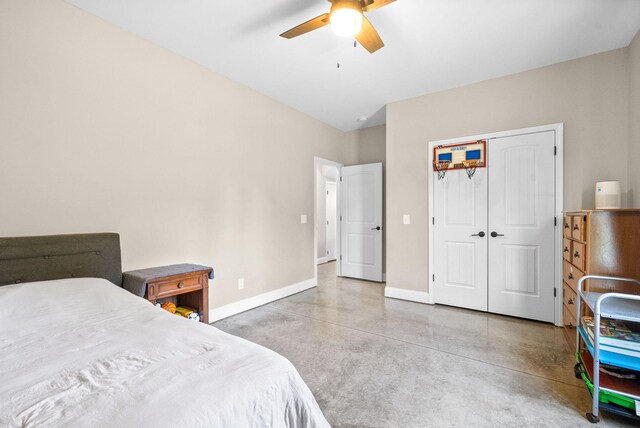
<point>521,212</point>
<point>460,213</point>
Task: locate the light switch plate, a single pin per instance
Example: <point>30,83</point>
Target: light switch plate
<point>303,218</point>
<point>406,219</point>
<point>240,283</point>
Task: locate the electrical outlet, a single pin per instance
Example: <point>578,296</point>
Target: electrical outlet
<point>240,283</point>
<point>406,219</point>
<point>303,219</point>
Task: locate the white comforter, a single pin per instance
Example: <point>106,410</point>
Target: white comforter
<point>86,353</point>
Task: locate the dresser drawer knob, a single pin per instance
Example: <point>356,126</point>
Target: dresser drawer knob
<point>181,284</point>
<point>570,301</point>
<point>566,225</point>
<point>575,227</point>
<point>570,275</point>
<point>566,250</point>
<point>576,255</point>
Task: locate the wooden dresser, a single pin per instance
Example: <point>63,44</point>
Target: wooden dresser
<point>605,242</point>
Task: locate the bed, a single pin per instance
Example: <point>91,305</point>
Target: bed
<point>76,349</point>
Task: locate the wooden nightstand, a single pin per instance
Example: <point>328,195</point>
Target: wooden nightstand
<point>188,283</point>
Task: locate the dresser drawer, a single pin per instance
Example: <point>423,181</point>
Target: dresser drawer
<point>569,322</point>
<point>578,255</point>
<point>571,275</point>
<point>177,286</point>
<point>568,297</point>
<point>567,224</point>
<point>578,226</point>
<point>569,316</point>
<point>566,249</point>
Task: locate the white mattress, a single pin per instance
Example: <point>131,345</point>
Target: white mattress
<point>84,352</point>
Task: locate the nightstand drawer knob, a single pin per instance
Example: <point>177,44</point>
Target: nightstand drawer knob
<point>181,284</point>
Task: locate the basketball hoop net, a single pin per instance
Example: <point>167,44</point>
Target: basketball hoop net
<point>470,167</point>
<point>441,169</point>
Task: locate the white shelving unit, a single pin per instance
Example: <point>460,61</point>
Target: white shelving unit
<point>619,306</point>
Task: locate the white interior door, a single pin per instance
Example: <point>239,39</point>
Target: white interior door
<point>521,214</point>
<point>460,241</point>
<point>361,221</point>
<point>332,216</point>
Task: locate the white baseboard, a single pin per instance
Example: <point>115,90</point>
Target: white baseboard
<point>411,295</point>
<point>259,300</point>
<point>321,260</point>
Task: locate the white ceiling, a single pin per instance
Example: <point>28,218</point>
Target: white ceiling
<point>431,45</point>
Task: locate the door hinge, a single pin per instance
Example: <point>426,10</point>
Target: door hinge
<point>340,257</point>
<point>433,278</point>
<point>433,220</point>
<point>555,221</point>
<point>554,291</point>
<point>555,150</point>
<point>340,178</point>
<point>327,192</point>
<point>327,221</point>
<point>340,218</point>
<point>327,252</point>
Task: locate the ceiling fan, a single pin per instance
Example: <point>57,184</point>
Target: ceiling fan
<point>347,20</point>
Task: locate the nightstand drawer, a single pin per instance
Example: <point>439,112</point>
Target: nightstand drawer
<point>174,286</point>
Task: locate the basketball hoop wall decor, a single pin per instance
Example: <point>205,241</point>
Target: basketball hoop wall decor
<point>467,156</point>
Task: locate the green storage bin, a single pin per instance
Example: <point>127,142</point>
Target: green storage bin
<point>605,396</point>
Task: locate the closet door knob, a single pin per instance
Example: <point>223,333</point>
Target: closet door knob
<point>480,234</point>
<point>496,234</point>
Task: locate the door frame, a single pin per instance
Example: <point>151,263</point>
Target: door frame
<point>317,163</point>
<point>558,128</point>
<point>328,183</point>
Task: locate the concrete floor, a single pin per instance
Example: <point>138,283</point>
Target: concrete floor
<point>377,362</point>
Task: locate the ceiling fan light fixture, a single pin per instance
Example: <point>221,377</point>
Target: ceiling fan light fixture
<point>346,19</point>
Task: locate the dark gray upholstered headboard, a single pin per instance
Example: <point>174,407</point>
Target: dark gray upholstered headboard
<point>42,258</point>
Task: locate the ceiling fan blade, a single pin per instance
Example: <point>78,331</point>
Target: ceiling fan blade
<point>368,37</point>
<point>369,5</point>
<point>310,25</point>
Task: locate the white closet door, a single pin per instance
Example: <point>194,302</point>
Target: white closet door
<point>460,212</point>
<point>521,212</point>
<point>361,221</point>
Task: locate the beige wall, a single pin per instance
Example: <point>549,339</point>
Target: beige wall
<point>590,95</point>
<point>634,121</point>
<point>103,131</point>
<point>370,144</point>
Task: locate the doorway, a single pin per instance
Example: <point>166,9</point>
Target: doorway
<point>348,218</point>
<point>494,241</point>
<point>326,210</point>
